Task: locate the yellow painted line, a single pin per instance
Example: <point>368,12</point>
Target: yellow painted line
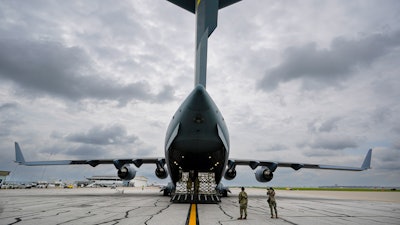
<point>198,2</point>
<point>192,217</point>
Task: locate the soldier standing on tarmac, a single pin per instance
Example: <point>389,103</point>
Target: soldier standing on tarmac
<point>243,204</point>
<point>272,202</point>
<point>189,185</point>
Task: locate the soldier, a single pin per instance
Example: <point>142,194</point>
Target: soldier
<point>272,202</point>
<point>189,185</point>
<point>243,204</point>
<point>196,185</point>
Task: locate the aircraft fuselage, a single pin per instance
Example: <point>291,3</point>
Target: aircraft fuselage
<point>197,137</point>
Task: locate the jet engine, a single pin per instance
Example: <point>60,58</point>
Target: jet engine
<point>264,174</point>
<point>126,172</point>
<point>161,173</point>
<point>230,174</point>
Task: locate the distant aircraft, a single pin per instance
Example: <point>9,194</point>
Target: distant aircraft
<point>197,139</point>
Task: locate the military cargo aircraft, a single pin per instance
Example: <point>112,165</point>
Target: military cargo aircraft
<point>197,139</point>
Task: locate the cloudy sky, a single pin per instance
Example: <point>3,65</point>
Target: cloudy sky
<point>297,81</point>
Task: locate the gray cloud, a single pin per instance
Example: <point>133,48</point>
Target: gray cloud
<point>275,147</point>
<point>86,151</point>
<point>53,69</point>
<point>396,145</point>
<point>7,126</point>
<point>325,67</point>
<point>381,115</point>
<point>396,127</point>
<point>9,105</point>
<point>333,142</point>
<point>7,122</point>
<point>328,125</point>
<point>386,159</point>
<point>101,135</point>
<point>320,153</point>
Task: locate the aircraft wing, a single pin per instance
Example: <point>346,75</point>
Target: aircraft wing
<point>296,166</point>
<point>118,163</point>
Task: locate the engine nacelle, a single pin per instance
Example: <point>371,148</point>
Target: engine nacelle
<point>230,174</point>
<point>264,174</point>
<point>161,173</point>
<point>126,172</point>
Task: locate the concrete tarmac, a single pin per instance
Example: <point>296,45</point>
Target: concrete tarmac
<point>136,206</point>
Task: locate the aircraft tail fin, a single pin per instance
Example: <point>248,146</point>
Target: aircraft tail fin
<point>206,21</point>
<point>19,158</point>
<point>367,161</point>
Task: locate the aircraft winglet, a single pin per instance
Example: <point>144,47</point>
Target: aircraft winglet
<point>19,158</point>
<point>367,161</point>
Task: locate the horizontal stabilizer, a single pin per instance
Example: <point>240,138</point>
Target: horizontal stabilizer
<point>190,5</point>
<point>185,4</point>
<point>225,3</point>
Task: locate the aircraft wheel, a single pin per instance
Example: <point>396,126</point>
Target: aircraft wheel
<point>166,193</point>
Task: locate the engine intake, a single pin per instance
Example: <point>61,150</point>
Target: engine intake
<point>161,173</point>
<point>264,174</point>
<point>230,174</point>
<point>126,172</point>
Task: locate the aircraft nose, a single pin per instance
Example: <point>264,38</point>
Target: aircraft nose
<point>200,100</point>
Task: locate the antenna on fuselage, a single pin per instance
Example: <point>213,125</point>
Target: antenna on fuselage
<point>206,21</point>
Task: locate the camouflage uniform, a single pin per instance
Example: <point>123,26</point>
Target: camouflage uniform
<point>243,204</point>
<point>189,185</point>
<point>272,202</point>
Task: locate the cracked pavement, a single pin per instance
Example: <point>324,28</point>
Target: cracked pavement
<point>135,206</point>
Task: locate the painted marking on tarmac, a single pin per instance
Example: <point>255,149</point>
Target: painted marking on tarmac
<point>192,218</point>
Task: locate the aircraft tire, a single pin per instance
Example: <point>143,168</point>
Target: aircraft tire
<point>166,193</point>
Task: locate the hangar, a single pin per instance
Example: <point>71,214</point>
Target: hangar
<point>107,180</point>
<point>3,176</point>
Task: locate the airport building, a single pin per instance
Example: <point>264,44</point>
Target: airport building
<point>3,176</point>
<point>138,181</point>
